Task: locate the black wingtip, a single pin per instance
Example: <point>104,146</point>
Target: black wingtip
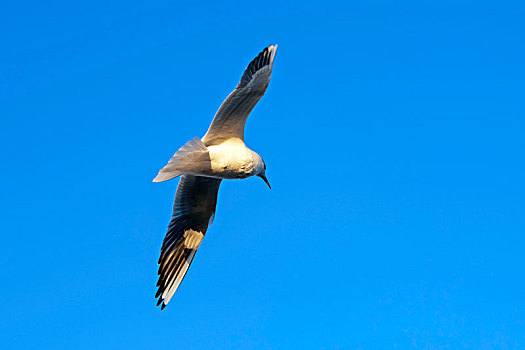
<point>264,58</point>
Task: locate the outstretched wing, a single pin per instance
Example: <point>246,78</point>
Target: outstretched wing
<point>231,116</point>
<point>193,212</point>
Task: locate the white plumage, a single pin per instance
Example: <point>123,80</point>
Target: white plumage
<point>203,163</point>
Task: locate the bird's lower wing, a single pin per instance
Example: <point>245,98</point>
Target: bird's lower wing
<point>193,211</point>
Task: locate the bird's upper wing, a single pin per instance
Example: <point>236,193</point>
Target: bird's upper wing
<point>193,212</point>
<point>231,116</point>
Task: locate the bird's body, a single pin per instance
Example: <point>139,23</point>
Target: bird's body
<point>233,160</point>
<point>202,165</point>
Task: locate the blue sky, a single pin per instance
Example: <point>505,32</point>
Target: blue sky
<point>392,133</point>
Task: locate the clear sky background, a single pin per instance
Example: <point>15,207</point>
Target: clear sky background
<point>394,139</point>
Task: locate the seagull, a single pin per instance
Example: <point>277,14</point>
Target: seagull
<point>202,164</point>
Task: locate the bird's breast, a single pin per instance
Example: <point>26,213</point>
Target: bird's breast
<point>231,161</point>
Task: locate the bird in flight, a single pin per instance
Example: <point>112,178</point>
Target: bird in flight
<point>202,165</point>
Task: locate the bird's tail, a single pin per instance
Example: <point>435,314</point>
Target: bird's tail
<point>184,160</point>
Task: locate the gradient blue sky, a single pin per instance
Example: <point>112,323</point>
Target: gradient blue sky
<point>394,139</point>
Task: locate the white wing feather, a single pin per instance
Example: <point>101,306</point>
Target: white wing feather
<point>231,117</point>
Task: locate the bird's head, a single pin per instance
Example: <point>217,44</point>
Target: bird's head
<point>261,171</point>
